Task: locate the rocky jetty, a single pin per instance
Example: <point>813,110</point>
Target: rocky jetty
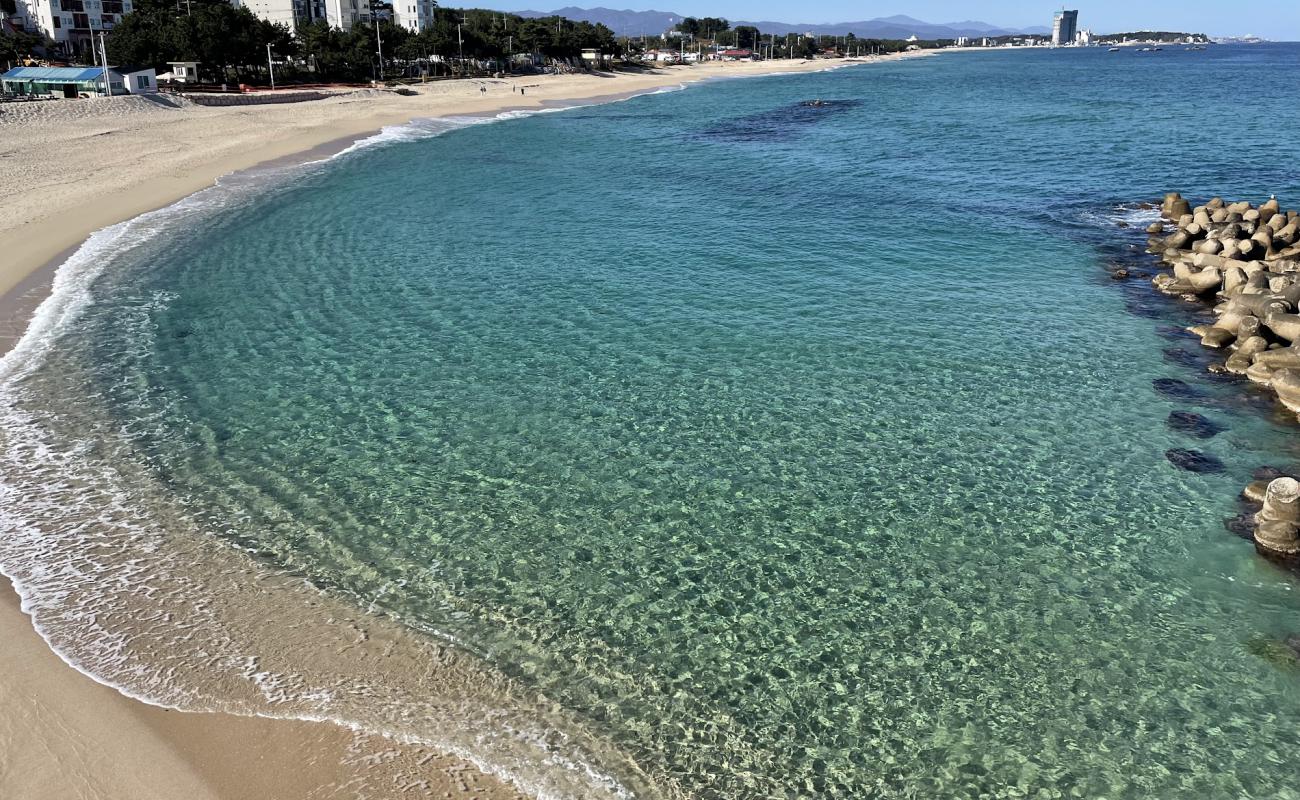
<point>1244,260</point>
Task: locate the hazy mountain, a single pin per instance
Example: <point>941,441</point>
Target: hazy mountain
<point>900,26</point>
<point>622,23</point>
<point>896,27</point>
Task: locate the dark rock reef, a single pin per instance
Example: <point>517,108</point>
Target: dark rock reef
<point>1193,460</point>
<point>1193,424</point>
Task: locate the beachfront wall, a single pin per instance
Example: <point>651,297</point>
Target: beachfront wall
<point>262,98</point>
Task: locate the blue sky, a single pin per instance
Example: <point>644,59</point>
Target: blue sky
<point>1278,20</point>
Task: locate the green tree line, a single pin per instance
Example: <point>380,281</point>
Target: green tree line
<point>18,44</point>
<point>230,44</point>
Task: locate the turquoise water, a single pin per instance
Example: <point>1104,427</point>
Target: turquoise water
<point>799,452</point>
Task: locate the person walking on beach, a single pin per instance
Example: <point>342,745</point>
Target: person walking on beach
<point>482,90</point>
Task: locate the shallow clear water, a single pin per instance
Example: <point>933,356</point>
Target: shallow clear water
<point>797,451</point>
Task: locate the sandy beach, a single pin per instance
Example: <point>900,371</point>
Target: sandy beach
<point>73,167</point>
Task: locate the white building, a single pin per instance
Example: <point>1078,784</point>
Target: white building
<point>1085,38</point>
<point>291,13</point>
<point>72,24</point>
<point>414,15</point>
<point>1065,27</point>
<point>282,12</point>
<point>183,72</point>
<point>343,14</point>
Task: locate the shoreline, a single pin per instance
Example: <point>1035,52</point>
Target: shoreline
<point>134,750</point>
<point>127,747</point>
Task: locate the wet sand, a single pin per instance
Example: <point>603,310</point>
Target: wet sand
<point>65,736</point>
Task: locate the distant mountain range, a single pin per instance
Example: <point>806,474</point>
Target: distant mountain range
<point>653,23</point>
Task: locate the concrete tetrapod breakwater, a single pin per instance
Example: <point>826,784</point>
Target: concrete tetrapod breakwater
<point>1245,259</point>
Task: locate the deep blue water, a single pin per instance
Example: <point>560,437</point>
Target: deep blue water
<point>799,451</point>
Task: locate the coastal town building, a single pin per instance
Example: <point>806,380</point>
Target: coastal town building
<point>414,15</point>
<point>73,82</point>
<point>738,54</point>
<point>592,57</point>
<point>343,14</point>
<point>281,12</point>
<point>71,24</point>
<point>1065,25</point>
<point>183,71</point>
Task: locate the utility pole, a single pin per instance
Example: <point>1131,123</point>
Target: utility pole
<point>108,87</point>
<point>378,43</point>
<point>460,41</point>
<point>270,65</point>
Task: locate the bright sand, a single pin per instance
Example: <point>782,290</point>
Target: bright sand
<point>71,168</point>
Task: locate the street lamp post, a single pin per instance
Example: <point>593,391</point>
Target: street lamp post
<point>460,42</point>
<point>270,65</point>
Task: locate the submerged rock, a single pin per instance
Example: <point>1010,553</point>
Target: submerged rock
<point>1181,357</point>
<point>1174,332</point>
<point>1242,525</point>
<point>1268,473</point>
<point>1176,389</point>
<point>1193,460</point>
<point>1193,424</point>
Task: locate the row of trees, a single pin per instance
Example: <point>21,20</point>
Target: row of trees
<point>224,40</point>
<point>231,43</point>
<point>704,27</point>
<point>15,45</point>
<point>791,45</point>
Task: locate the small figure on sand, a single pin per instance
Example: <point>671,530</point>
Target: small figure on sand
<point>482,90</point>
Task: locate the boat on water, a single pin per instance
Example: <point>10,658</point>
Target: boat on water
<point>1113,50</point>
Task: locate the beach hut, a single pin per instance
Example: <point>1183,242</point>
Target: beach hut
<point>138,80</point>
<point>74,82</point>
<point>60,81</point>
<point>593,58</point>
<point>183,71</point>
